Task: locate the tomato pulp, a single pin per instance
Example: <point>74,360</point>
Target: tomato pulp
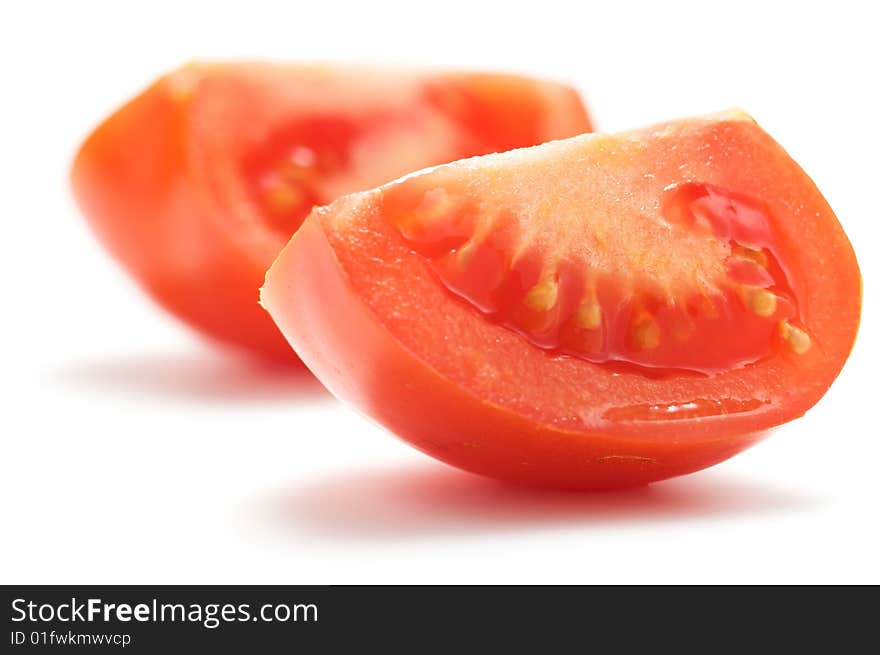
<point>196,184</point>
<point>602,311</point>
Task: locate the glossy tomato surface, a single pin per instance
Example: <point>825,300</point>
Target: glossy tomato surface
<point>602,311</point>
<point>197,183</point>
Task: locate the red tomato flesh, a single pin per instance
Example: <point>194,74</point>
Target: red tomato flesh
<point>196,184</point>
<point>603,311</point>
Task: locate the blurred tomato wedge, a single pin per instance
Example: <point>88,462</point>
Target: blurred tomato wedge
<point>197,183</point>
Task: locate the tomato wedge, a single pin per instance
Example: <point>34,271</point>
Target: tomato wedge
<point>603,311</point>
<point>197,184</point>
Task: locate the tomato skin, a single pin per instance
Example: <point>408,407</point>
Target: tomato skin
<point>163,197</point>
<point>150,214</point>
<point>385,333</point>
<point>344,345</point>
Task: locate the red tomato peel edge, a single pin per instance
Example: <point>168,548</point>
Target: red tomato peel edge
<point>526,315</point>
<point>195,185</point>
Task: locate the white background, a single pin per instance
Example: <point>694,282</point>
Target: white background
<point>133,453</point>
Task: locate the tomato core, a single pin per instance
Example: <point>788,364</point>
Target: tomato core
<point>284,172</point>
<point>735,314</point>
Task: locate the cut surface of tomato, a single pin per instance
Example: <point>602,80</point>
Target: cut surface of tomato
<point>196,184</point>
<point>602,311</point>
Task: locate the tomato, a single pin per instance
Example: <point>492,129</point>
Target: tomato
<point>197,184</point>
<point>603,311</point>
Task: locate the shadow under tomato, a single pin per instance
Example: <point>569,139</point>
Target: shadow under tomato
<point>197,377</point>
<point>427,501</point>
